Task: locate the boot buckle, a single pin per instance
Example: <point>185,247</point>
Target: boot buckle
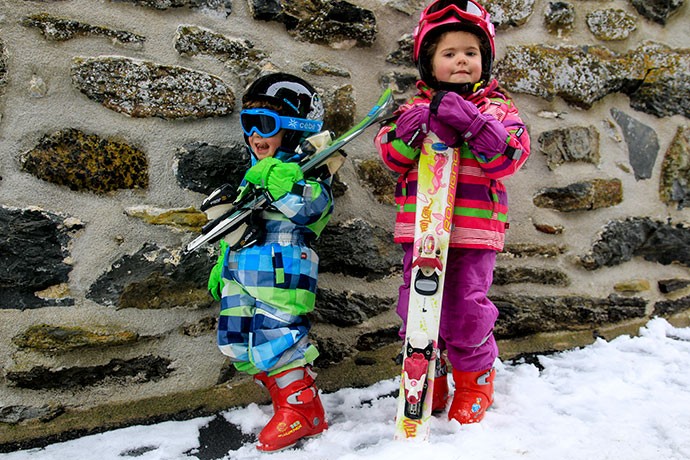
<point>302,397</point>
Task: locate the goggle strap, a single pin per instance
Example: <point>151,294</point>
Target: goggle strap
<point>292,123</point>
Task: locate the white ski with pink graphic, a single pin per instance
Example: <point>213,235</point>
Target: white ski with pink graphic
<point>436,185</point>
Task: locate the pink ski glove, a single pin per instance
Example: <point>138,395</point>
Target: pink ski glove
<point>414,124</point>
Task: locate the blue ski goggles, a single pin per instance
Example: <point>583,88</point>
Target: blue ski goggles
<point>267,123</point>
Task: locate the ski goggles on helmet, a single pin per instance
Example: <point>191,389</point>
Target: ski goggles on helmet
<point>467,9</point>
<point>443,12</point>
<point>267,123</point>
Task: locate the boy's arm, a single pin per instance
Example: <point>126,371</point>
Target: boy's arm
<point>309,202</point>
<point>302,201</point>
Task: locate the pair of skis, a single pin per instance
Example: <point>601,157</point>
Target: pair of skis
<point>240,212</point>
<point>436,186</point>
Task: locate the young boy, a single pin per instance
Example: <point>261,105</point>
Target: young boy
<point>267,288</point>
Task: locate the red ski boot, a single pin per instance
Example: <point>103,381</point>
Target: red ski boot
<point>440,396</point>
<point>474,393</point>
<point>298,410</point>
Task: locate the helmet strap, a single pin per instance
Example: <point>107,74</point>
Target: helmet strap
<point>458,88</point>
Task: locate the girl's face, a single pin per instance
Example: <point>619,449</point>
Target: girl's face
<point>264,147</point>
<point>457,58</point>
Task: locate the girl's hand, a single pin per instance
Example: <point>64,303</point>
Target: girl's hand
<point>414,124</point>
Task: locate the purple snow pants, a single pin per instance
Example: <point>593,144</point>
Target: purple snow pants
<point>467,314</point>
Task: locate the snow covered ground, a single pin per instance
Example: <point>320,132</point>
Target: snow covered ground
<point>624,399</point>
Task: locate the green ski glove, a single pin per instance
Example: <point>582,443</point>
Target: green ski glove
<point>215,278</point>
<point>273,175</point>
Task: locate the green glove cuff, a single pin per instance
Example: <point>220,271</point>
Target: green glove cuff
<point>215,278</point>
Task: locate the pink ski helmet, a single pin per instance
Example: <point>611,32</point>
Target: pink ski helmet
<point>445,15</point>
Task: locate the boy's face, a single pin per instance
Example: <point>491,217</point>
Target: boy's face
<point>264,147</point>
<point>457,58</point>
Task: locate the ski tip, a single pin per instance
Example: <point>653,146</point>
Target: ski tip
<point>385,100</point>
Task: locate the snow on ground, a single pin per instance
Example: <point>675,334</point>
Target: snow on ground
<point>624,399</point>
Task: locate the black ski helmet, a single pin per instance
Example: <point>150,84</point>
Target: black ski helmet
<point>294,96</point>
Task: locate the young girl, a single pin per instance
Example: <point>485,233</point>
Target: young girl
<point>466,109</point>
<point>267,287</point>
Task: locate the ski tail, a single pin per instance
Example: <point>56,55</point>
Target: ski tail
<point>240,212</point>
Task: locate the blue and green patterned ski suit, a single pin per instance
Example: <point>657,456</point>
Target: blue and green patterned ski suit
<point>269,288</point>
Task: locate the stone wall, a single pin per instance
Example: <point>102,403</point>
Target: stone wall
<point>119,116</point>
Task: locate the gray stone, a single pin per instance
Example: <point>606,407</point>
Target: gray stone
<point>409,7</point>
<point>674,184</point>
<point>18,414</point>
<point>655,241</point>
<point>238,53</point>
<point>668,286</point>
<point>577,74</point>
<point>521,315</point>
<point>340,109</point>
<point>549,229</point>
<point>656,78</point>
<point>378,179</point>
<point>331,351</point>
<point>203,168</point>
<point>153,278</point>
<point>87,162</point>
<point>265,10</point>
<point>338,24</point>
<point>534,250</point>
<point>345,309</point>
<point>664,89</point>
<point>611,24</point>
<point>559,17</point>
<point>3,67</point>
<point>143,89</point>
<point>511,275</point>
<point>581,196</point>
<point>658,11</point>
<point>509,13</point>
<point>671,307</point>
<point>324,69</point>
<point>141,369</point>
<point>643,144</point>
<point>633,286</point>
<point>403,54</point>
<point>218,6</point>
<point>60,29</point>
<point>355,248</point>
<point>49,338</point>
<point>573,144</point>
<point>187,219</point>
<point>375,340</point>
<point>402,84</point>
<point>34,248</point>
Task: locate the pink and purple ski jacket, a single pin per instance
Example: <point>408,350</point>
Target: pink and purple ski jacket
<point>497,147</point>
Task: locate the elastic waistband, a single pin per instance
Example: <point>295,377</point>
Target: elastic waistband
<point>286,238</point>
